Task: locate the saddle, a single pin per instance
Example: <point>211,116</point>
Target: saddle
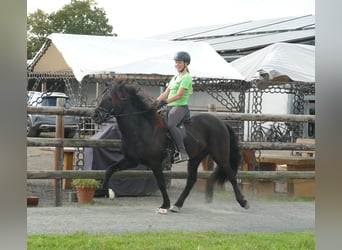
<point>186,119</point>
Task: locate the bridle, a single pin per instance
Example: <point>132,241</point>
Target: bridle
<point>102,113</point>
<point>115,110</point>
<point>105,114</point>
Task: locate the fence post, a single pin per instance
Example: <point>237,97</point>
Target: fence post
<point>59,154</point>
<point>211,108</point>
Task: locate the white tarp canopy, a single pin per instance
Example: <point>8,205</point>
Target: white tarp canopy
<point>295,61</point>
<point>86,54</point>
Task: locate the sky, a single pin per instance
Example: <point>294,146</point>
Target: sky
<point>146,18</point>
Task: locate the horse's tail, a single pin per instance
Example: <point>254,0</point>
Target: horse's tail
<point>234,156</point>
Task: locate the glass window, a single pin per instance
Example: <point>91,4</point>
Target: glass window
<point>51,101</point>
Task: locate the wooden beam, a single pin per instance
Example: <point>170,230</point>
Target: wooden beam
<point>116,143</point>
<point>99,174</point>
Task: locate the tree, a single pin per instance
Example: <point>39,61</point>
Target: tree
<point>81,17</point>
<point>78,17</point>
<point>38,28</point>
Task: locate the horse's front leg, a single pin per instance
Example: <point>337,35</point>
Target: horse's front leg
<point>159,176</point>
<point>120,165</point>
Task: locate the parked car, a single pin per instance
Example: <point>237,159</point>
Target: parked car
<point>37,123</point>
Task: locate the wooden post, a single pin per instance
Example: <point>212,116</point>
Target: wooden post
<point>43,87</point>
<point>211,108</point>
<point>68,155</point>
<point>59,154</point>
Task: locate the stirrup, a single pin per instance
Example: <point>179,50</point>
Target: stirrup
<point>181,157</point>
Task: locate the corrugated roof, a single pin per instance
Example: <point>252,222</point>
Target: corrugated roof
<point>251,41</point>
<point>227,38</point>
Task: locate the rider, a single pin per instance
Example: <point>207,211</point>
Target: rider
<point>176,97</point>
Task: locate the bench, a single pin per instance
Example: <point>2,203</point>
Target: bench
<point>294,187</point>
<point>293,162</point>
<point>307,153</point>
<point>68,161</point>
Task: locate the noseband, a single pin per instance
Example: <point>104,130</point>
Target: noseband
<point>106,114</point>
<point>102,114</point>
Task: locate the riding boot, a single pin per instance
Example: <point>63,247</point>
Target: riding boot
<point>180,157</point>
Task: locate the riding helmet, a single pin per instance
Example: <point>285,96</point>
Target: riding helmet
<point>182,56</point>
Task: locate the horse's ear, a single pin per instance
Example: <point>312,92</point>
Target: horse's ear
<point>108,84</point>
<point>132,89</point>
<point>121,91</point>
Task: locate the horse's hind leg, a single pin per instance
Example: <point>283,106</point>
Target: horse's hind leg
<point>209,188</point>
<point>232,178</point>
<point>191,180</point>
<point>238,195</point>
<point>224,172</point>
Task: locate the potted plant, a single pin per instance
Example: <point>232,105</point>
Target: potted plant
<point>85,189</point>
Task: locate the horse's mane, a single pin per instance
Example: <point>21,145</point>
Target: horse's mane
<point>124,90</point>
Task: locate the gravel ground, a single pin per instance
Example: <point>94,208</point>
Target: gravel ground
<point>134,214</point>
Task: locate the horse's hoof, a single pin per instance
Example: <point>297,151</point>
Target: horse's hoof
<point>111,194</point>
<point>209,200</point>
<point>175,209</point>
<point>161,211</point>
<point>246,205</point>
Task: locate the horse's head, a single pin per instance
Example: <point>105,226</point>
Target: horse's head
<point>107,106</point>
<point>122,98</point>
<point>103,110</point>
<point>112,100</point>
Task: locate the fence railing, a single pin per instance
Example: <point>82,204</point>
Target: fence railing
<point>98,174</point>
<point>116,143</point>
<point>58,174</point>
<point>221,115</point>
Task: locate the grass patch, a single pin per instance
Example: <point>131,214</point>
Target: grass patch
<point>174,240</point>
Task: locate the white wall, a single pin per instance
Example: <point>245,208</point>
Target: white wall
<point>275,103</point>
<point>272,103</point>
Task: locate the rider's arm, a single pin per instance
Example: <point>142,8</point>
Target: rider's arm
<point>164,95</point>
<point>179,94</point>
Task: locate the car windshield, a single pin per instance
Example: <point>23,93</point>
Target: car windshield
<point>51,101</point>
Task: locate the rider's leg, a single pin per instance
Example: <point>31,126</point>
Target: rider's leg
<point>175,116</point>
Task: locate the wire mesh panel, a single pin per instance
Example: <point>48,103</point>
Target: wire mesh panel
<point>233,95</point>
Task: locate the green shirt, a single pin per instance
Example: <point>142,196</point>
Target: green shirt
<point>184,82</point>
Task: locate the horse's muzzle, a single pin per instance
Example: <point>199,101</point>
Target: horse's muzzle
<point>98,117</point>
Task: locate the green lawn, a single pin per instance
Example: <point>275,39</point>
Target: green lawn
<point>174,240</point>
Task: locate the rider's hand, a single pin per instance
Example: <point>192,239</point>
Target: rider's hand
<point>161,103</point>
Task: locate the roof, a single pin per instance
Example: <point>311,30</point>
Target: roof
<point>295,62</point>
<point>243,37</point>
<point>33,97</point>
<point>85,54</point>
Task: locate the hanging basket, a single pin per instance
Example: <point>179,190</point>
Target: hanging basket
<point>85,194</point>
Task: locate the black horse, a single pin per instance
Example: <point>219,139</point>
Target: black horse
<point>144,140</point>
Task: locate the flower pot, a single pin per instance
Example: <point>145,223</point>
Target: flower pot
<point>85,194</point>
<point>32,201</point>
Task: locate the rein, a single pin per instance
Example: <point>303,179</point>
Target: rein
<point>109,114</point>
<point>133,113</point>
